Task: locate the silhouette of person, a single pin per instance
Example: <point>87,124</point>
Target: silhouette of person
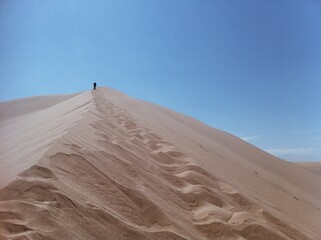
<point>95,85</point>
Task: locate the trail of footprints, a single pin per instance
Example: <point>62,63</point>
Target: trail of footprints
<point>212,204</point>
<point>216,206</point>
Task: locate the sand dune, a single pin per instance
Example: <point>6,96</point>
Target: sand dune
<point>314,167</point>
<point>101,165</point>
<point>23,106</point>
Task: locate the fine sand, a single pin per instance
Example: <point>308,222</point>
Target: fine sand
<point>101,165</point>
<point>314,167</point>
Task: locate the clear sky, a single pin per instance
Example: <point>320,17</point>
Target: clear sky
<point>250,67</point>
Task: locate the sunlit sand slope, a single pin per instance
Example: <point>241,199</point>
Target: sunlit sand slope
<point>314,167</point>
<point>101,165</point>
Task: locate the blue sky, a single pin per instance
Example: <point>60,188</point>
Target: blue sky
<point>250,67</point>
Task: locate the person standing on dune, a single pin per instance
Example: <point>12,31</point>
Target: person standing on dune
<point>95,85</point>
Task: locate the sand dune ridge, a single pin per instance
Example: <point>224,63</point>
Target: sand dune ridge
<point>111,167</point>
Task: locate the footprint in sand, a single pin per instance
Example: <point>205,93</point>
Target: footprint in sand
<point>226,188</point>
<point>207,213</point>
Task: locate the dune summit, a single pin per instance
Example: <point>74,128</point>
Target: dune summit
<point>101,165</point>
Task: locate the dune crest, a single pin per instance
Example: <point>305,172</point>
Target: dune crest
<point>101,165</point>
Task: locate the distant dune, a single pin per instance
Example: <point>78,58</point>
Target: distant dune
<point>101,165</point>
<point>314,167</point>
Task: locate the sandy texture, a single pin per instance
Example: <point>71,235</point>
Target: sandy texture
<point>314,167</point>
<point>101,165</point>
